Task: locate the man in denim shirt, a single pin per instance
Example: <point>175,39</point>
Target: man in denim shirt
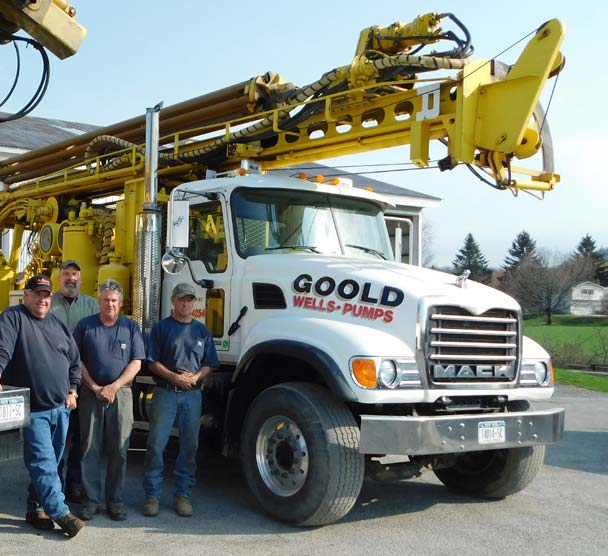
<point>181,353</point>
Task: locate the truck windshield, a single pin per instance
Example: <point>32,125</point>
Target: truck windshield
<point>281,220</point>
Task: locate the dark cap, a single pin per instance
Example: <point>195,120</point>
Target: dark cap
<point>39,282</point>
<point>182,290</point>
<point>70,262</point>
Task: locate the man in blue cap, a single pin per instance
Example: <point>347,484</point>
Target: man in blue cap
<point>38,352</point>
<point>181,354</point>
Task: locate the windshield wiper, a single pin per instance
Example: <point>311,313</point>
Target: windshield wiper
<point>368,250</point>
<point>294,247</point>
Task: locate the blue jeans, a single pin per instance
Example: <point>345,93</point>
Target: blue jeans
<point>43,444</point>
<point>69,467</point>
<point>184,409</point>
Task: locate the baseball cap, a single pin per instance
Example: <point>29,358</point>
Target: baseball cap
<point>182,290</point>
<point>38,282</point>
<point>70,262</point>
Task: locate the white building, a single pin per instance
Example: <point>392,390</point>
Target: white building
<point>589,298</point>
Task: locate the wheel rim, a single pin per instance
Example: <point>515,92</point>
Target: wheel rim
<point>282,456</point>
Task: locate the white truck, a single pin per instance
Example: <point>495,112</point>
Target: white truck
<point>334,356</point>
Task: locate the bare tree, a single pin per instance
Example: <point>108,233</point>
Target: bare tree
<point>542,283</point>
<point>601,342</point>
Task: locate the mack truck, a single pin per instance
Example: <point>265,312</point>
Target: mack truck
<point>338,361</point>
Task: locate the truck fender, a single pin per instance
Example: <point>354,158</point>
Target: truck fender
<point>327,368</point>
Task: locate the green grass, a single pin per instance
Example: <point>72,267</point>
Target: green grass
<point>589,381</point>
<point>566,320</point>
<point>559,333</point>
<point>575,338</point>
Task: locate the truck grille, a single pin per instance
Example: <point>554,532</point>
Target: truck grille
<point>461,347</point>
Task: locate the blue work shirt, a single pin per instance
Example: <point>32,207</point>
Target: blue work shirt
<point>182,346</point>
<point>107,350</point>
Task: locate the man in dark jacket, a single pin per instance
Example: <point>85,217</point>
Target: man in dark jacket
<point>38,352</point>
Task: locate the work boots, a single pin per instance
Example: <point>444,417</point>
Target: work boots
<point>70,524</point>
<point>151,507</point>
<point>182,505</point>
<point>39,520</point>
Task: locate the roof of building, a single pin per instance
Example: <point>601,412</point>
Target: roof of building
<point>588,284</point>
<point>31,132</point>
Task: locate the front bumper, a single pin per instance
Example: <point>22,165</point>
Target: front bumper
<point>416,436</point>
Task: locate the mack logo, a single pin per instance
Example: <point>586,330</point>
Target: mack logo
<point>473,371</point>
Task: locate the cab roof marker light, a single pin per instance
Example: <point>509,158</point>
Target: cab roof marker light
<point>344,182</point>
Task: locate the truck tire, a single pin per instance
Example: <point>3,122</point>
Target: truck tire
<point>493,473</point>
<point>300,454</point>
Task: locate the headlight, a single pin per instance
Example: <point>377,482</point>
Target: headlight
<point>389,376</point>
<point>535,373</point>
<point>540,371</point>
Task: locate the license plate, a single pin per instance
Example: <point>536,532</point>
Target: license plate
<point>491,432</point>
<point>12,409</point>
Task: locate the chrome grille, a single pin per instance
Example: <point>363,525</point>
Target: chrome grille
<point>461,347</point>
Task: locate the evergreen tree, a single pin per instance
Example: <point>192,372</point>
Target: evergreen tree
<point>587,248</point>
<point>470,257</point>
<point>523,246</point>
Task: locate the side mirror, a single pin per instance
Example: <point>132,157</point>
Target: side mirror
<point>174,261</point>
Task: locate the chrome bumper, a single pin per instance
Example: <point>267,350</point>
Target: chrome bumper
<point>411,436</point>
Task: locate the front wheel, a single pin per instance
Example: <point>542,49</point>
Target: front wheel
<point>493,473</point>
<point>300,454</point>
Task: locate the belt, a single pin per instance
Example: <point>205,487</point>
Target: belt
<point>168,386</point>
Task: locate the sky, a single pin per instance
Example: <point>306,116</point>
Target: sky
<point>140,52</point>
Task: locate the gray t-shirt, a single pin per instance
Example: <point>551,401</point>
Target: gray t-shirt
<point>70,314</point>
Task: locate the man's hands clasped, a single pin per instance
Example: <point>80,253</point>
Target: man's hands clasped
<point>184,380</point>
